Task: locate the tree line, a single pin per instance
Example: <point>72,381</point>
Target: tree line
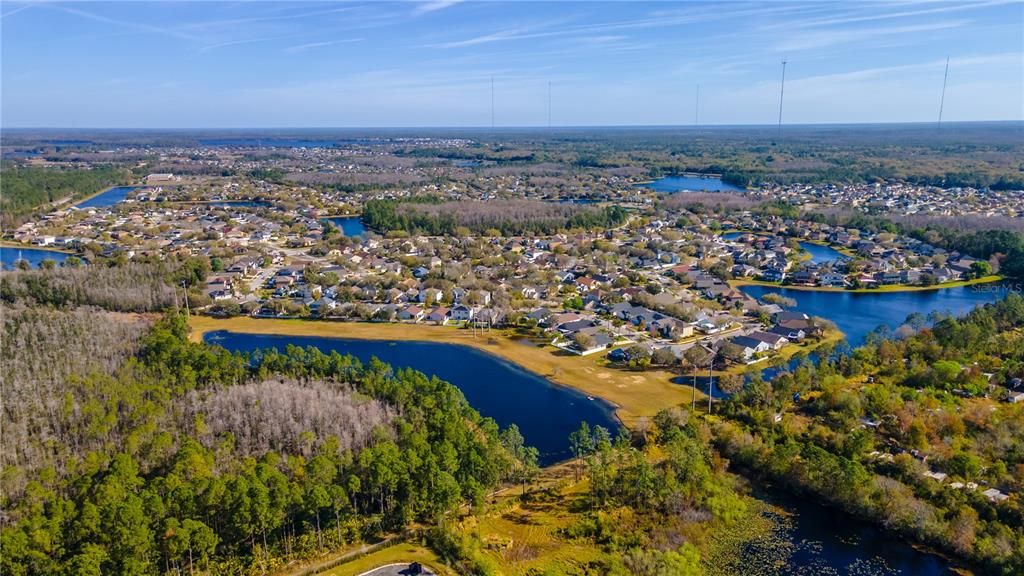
<point>26,189</point>
<point>505,217</point>
<point>859,431</point>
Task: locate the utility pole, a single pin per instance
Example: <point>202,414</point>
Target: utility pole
<point>549,105</point>
<point>185,290</point>
<point>696,109</point>
<point>782,93</point>
<point>942,100</point>
<point>711,364</point>
<point>693,395</point>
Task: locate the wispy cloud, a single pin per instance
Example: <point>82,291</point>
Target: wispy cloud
<point>225,44</point>
<point>15,11</point>
<point>823,38</point>
<point>1002,60</point>
<point>270,18</point>
<point>656,19</point>
<point>311,45</point>
<point>875,12</point>
<point>434,5</point>
<point>137,26</point>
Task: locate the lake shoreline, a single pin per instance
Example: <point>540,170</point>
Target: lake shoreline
<point>546,412</point>
<point>881,290</point>
<point>17,245</point>
<point>777,493</point>
<point>99,193</point>
<point>632,395</point>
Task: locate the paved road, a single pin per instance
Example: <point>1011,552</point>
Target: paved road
<point>395,570</point>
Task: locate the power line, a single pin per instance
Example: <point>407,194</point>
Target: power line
<point>782,93</point>
<point>942,100</point>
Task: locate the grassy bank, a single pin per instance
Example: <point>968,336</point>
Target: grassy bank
<point>634,394</point>
<point>879,290</point>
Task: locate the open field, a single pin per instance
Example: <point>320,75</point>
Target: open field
<point>880,289</point>
<point>523,536</point>
<point>403,553</point>
<point>634,394</point>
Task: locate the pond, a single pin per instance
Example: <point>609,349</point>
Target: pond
<point>819,254</point>
<point>545,413</point>
<point>349,225</point>
<point>670,184</point>
<point>810,539</point>
<point>859,313</point>
<point>34,256</point>
<point>108,197</point>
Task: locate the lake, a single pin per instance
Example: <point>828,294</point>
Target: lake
<point>811,539</point>
<point>349,225</point>
<point>858,313</point>
<point>108,197</point>
<point>819,254</point>
<point>545,413</point>
<point>670,184</point>
<point>35,256</point>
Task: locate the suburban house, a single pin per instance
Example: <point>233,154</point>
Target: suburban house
<point>413,313</point>
<point>749,347</point>
<point>439,315</point>
<point>462,313</point>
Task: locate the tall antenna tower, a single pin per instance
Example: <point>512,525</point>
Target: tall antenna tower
<point>942,100</point>
<point>696,108</point>
<point>549,104</point>
<point>492,102</point>
<point>782,93</point>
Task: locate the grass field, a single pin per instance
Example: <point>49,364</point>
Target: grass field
<point>523,536</point>
<point>634,394</point>
<point>402,553</point>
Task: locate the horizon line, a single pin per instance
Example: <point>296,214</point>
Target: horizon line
<point>516,126</point>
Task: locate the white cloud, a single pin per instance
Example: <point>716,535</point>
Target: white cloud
<point>311,45</point>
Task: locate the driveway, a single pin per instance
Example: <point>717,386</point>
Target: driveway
<point>395,570</point>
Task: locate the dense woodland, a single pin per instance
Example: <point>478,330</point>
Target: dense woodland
<point>147,467</point>
<point>25,189</point>
<point>54,365</point>
<point>647,509</point>
<point>859,432</point>
<point>124,287</point>
<point>504,217</point>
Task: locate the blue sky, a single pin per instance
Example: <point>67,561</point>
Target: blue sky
<point>298,64</point>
